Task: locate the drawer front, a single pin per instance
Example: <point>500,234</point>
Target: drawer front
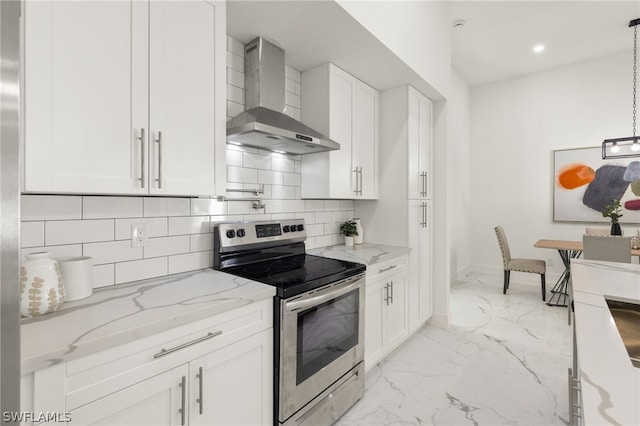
<point>99,374</point>
<point>382,269</point>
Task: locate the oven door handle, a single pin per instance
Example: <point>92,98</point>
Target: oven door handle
<point>295,305</point>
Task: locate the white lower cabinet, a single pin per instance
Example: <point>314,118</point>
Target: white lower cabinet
<point>386,324</point>
<point>217,371</point>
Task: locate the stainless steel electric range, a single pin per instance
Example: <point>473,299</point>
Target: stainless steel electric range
<point>318,317</point>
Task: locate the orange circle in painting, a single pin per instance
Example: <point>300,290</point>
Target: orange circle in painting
<point>576,175</point>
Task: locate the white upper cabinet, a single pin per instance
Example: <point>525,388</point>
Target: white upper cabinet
<point>346,110</point>
<point>119,97</point>
<point>419,130</point>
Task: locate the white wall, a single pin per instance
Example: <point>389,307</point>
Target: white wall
<point>418,32</point>
<point>515,126</point>
<point>458,172</point>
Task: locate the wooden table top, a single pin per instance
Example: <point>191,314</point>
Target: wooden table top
<point>568,245</point>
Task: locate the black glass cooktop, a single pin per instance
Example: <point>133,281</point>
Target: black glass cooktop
<point>292,275</point>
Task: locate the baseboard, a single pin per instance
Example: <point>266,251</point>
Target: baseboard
<point>439,320</point>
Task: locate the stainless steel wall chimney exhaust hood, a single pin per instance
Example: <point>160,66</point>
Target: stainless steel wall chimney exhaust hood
<point>264,125</point>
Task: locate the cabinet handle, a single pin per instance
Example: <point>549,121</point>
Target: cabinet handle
<point>142,156</point>
<point>358,172</point>
<point>422,193</point>
<point>426,184</point>
<point>425,215</point>
<point>200,400</point>
<point>209,335</point>
<point>159,142</point>
<point>360,181</point>
<point>387,269</point>
<point>183,411</point>
<point>391,291</point>
<point>386,289</point>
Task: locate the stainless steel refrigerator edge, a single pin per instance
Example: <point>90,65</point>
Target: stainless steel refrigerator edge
<point>9,208</point>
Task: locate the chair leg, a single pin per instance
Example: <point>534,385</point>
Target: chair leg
<point>506,282</point>
<point>544,288</point>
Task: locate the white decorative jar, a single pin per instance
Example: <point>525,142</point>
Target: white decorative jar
<point>41,286</point>
<point>360,236</point>
<point>77,274</point>
<point>349,241</point>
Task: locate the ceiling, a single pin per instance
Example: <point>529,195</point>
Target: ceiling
<point>497,39</point>
<point>494,44</point>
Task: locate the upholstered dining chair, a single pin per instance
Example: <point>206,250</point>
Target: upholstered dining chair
<point>597,231</point>
<point>534,266</point>
<point>610,248</point>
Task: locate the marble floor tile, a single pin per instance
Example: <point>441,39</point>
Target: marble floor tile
<point>503,361</point>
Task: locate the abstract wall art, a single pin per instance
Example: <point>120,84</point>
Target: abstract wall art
<point>584,183</point>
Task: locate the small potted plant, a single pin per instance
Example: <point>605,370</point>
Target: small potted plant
<point>350,230</point>
<point>614,211</point>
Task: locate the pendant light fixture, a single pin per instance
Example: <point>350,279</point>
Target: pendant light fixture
<point>626,147</point>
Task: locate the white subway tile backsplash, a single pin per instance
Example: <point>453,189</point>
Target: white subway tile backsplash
<point>234,108</point>
<point>292,179</point>
<point>242,174</point>
<point>111,207</point>
<point>141,269</point>
<point>298,167</point>
<point>165,246</point>
<point>331,205</point>
<point>314,205</point>
<point>346,205</point>
<point>78,231</point>
<point>50,207</point>
<point>156,207</point>
<point>235,46</point>
<point>104,275</point>
<point>283,216</point>
<point>314,230</point>
<point>256,161</point>
<point>257,216</point>
<point>324,217</point>
<point>235,61</point>
<point>282,192</point>
<point>309,218</point>
<point>240,207</point>
<point>274,206</point>
<point>289,85</point>
<point>234,158</point>
<point>282,164</point>
<point>190,262</point>
<point>235,94</point>
<point>294,206</point>
<point>235,78</point>
<point>324,241</point>
<point>32,234</point>
<point>292,100</point>
<point>270,177</point>
<point>188,225</point>
<point>242,148</point>
<point>207,206</point>
<point>111,252</point>
<point>201,242</point>
<point>292,73</point>
<point>157,227</point>
<point>70,250</point>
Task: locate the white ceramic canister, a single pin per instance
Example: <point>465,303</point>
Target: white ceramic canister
<point>360,236</point>
<point>77,274</point>
<point>41,285</point>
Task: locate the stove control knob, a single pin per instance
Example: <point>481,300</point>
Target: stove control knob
<point>231,233</point>
<point>241,233</point>
<point>285,228</point>
<point>301,227</point>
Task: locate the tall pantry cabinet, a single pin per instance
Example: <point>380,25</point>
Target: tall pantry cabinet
<point>403,214</point>
<point>124,97</point>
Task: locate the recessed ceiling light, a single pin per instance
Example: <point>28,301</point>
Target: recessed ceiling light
<point>538,48</point>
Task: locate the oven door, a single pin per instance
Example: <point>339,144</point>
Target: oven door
<point>322,334</point>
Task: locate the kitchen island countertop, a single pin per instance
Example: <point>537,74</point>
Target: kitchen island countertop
<point>368,254</point>
<point>610,383</point>
<point>124,313</point>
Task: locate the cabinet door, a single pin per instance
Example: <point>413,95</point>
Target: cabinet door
<point>83,64</point>
<point>419,145</point>
<point>156,401</point>
<point>365,140</point>
<point>396,315</point>
<point>182,97</point>
<point>419,279</point>
<point>235,384</point>
<point>342,88</point>
<point>374,347</point>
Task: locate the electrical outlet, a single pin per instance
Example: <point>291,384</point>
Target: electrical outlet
<point>139,234</point>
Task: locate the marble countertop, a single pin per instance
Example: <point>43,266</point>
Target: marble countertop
<point>369,254</point>
<point>610,383</point>
<point>123,313</point>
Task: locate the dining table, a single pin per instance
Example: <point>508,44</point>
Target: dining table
<point>567,249</point>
